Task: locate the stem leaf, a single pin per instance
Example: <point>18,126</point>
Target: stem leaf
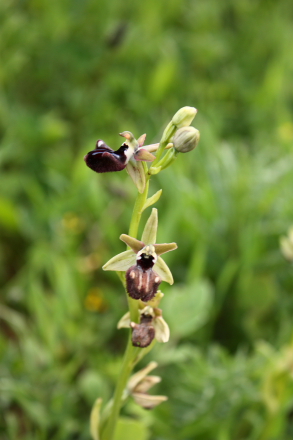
<point>152,200</point>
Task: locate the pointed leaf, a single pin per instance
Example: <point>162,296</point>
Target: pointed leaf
<point>152,200</point>
<point>133,243</point>
<point>137,174</point>
<point>162,248</point>
<point>163,271</point>
<point>95,419</point>
<point>149,234</point>
<point>121,261</point>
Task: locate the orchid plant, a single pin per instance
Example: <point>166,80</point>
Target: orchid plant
<point>141,267</point>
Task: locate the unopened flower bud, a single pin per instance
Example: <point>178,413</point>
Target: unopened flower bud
<point>184,117</point>
<point>186,139</point>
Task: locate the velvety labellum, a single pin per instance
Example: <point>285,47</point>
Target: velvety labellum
<point>142,281</point>
<point>143,333</point>
<point>103,159</point>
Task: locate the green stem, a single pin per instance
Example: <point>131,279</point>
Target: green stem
<point>131,352</point>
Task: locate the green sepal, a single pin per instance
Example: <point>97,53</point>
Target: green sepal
<point>149,234</point>
<point>163,271</point>
<point>121,261</point>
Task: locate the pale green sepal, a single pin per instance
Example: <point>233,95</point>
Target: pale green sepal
<point>154,170</point>
<point>152,200</point>
<point>163,271</point>
<point>124,321</point>
<point>121,261</point>
<point>162,329</point>
<point>137,174</point>
<point>149,234</point>
<point>133,243</point>
<point>95,419</point>
<point>140,375</point>
<point>162,248</point>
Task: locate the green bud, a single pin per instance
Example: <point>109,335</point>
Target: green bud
<point>184,117</point>
<point>186,139</point>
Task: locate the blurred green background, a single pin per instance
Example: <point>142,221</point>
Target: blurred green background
<point>76,71</point>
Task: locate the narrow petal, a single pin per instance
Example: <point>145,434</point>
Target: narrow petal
<point>165,247</point>
<point>162,329</point>
<point>147,401</point>
<point>141,140</point>
<point>133,243</point>
<point>143,154</point>
<point>136,172</point>
<point>124,321</point>
<point>149,234</point>
<point>138,377</point>
<point>163,271</point>
<point>121,261</point>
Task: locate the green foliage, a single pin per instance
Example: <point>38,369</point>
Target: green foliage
<point>75,72</point>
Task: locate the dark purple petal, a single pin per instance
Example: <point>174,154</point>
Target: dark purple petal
<point>103,159</point>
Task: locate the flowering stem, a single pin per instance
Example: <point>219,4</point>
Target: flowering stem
<point>131,352</point>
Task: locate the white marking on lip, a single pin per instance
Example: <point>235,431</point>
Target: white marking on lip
<point>157,279</point>
<point>100,143</point>
<point>129,153</point>
<point>140,281</point>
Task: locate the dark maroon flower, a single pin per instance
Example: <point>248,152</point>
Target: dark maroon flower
<point>142,281</point>
<point>143,333</point>
<point>103,159</point>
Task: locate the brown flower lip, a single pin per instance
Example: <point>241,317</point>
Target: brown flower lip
<point>103,159</point>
